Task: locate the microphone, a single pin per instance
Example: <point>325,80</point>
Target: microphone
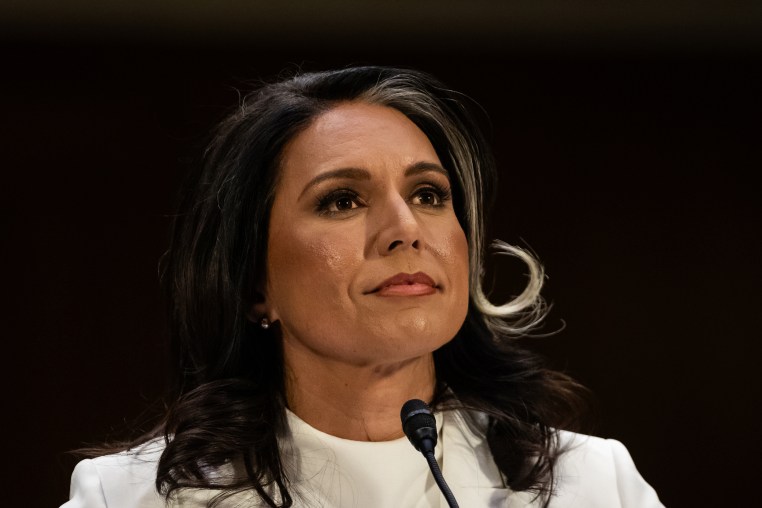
<point>420,427</point>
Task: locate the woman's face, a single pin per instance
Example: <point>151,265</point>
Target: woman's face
<point>367,263</point>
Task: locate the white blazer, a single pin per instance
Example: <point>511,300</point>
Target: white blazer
<point>593,473</point>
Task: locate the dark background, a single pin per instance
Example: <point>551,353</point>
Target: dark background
<point>627,136</point>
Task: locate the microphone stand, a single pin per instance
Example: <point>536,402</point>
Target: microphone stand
<point>420,427</point>
<point>446,492</point>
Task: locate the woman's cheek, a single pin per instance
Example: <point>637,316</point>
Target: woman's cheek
<point>329,254</point>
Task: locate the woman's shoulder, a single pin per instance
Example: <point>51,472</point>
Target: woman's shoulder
<point>600,468</point>
<point>121,480</point>
<point>590,472</point>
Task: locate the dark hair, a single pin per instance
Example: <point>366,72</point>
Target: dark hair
<point>228,402</point>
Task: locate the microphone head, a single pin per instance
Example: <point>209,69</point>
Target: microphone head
<point>419,425</point>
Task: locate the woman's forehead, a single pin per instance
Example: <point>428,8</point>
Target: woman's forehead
<point>356,135</point>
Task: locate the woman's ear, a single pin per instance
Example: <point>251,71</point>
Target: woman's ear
<point>258,309</point>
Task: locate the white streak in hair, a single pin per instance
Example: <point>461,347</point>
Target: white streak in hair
<point>525,311</point>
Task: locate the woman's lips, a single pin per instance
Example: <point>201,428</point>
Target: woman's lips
<point>406,284</point>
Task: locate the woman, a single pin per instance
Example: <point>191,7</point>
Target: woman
<point>324,269</point>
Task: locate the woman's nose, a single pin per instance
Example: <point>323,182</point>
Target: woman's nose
<point>398,227</point>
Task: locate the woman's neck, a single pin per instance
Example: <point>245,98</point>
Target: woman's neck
<point>352,402</point>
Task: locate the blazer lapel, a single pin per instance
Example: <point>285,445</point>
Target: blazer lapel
<point>468,467</point>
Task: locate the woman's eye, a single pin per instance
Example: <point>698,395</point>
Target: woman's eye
<point>345,203</point>
<point>430,196</point>
<point>337,202</point>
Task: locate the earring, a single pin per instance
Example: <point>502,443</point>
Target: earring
<point>264,323</point>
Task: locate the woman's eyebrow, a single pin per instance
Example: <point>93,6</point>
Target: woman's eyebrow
<point>353,173</point>
<point>423,167</point>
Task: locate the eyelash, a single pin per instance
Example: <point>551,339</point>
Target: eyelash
<point>326,201</point>
<point>443,194</point>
